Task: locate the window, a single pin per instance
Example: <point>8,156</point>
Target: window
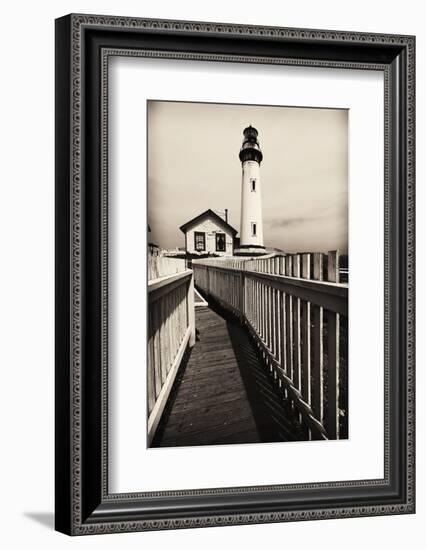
<point>253,229</point>
<point>253,184</point>
<point>199,241</point>
<point>220,242</point>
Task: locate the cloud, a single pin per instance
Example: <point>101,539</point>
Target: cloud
<point>280,223</point>
<point>304,174</point>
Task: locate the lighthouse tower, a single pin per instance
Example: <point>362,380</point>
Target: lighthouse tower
<point>251,227</point>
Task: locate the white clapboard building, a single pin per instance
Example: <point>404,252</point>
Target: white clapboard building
<point>209,234</point>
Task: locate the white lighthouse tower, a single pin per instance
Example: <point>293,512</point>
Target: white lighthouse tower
<point>251,227</point>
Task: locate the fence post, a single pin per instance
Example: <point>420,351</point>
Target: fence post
<point>191,311</point>
<point>333,369</point>
<point>207,272</point>
<point>318,346</point>
<point>289,320</point>
<point>283,319</point>
<point>242,295</point>
<point>297,328</point>
<point>306,334</point>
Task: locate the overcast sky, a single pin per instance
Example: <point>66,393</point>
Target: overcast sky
<point>193,165</point>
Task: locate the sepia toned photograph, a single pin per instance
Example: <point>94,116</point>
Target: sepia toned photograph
<point>223,193</point>
<point>248,274</point>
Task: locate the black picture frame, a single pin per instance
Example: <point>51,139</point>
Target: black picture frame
<point>83,45</point>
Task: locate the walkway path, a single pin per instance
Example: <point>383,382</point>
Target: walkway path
<point>223,394</point>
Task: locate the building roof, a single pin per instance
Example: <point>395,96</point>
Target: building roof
<point>208,213</point>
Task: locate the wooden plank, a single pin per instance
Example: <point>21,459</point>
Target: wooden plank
<point>250,297</point>
<point>180,315</point>
<point>241,295</point>
<point>183,312</point>
<point>277,329</point>
<point>245,293</point>
<point>289,322</point>
<point>251,300</point>
<point>260,305</point>
<point>282,317</point>
<point>297,377</point>
<point>318,346</point>
<point>158,409</point>
<point>174,298</point>
<point>157,351</point>
<point>277,260</point>
<point>257,284</point>
<point>282,336</point>
<point>178,318</point>
<point>171,325</point>
<point>306,335</point>
<point>333,266</point>
<point>150,372</point>
<point>272,319</point>
<point>333,363</point>
<point>191,311</point>
<point>333,366</point>
<point>283,331</point>
<point>163,338</point>
<point>254,303</point>
<point>269,309</point>
<point>167,330</point>
<point>265,309</point>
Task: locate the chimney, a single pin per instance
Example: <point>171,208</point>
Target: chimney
<point>226,215</point>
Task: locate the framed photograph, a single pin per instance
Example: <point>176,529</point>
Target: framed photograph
<point>234,274</point>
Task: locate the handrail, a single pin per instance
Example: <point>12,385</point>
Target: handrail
<point>171,329</point>
<point>331,296</point>
<point>158,287</point>
<point>160,266</point>
<point>296,319</point>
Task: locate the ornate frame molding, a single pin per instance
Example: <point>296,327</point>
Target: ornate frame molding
<point>86,507</point>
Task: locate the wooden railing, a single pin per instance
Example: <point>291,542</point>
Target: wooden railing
<point>296,311</point>
<point>159,266</point>
<point>171,329</point>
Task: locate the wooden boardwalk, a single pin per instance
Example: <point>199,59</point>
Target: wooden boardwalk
<point>223,393</point>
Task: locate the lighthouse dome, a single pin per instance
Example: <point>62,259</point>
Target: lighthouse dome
<point>250,133</point>
<point>250,149</point>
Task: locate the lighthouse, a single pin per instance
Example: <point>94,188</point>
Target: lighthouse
<point>251,227</point>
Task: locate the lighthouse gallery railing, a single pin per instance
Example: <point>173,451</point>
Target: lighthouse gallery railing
<point>296,311</point>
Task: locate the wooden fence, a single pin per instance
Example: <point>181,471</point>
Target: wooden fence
<point>296,311</point>
<point>171,328</point>
<point>160,266</point>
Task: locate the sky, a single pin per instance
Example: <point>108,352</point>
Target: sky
<point>193,165</point>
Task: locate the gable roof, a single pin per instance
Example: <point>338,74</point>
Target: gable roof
<point>211,214</point>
